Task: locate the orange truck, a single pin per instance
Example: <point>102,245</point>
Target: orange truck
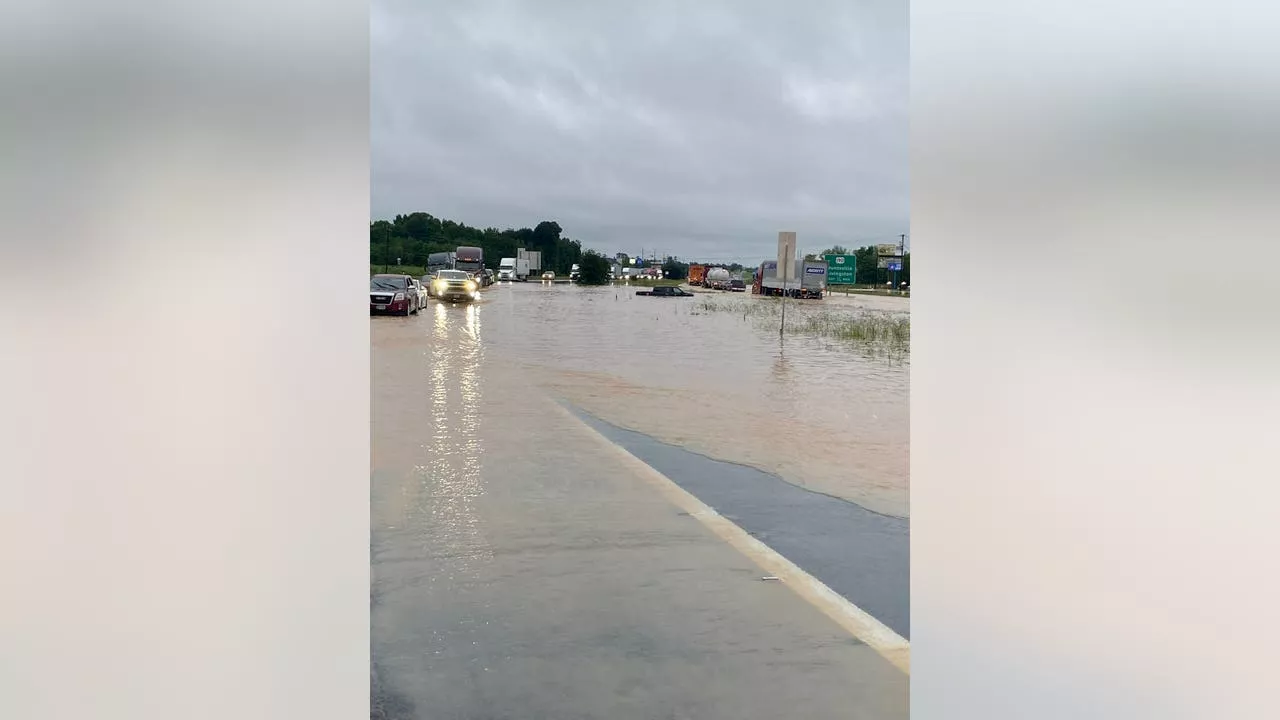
<point>697,274</point>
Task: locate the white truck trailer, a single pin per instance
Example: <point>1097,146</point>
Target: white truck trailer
<point>810,283</point>
<point>533,257</point>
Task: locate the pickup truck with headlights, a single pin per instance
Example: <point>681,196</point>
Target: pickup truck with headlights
<point>455,286</point>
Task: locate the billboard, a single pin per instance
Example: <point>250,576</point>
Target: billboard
<point>893,250</point>
<point>841,269</point>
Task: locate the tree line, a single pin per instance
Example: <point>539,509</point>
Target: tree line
<point>409,239</point>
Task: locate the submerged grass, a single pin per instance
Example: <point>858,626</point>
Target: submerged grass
<point>867,327</point>
<point>889,331</point>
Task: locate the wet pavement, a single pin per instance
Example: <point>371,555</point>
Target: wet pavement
<point>520,571</point>
<point>860,554</point>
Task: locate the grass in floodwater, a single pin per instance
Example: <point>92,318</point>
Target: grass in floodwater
<point>890,331</point>
<point>866,327</point>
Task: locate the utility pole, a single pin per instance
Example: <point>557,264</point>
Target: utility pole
<point>902,254</point>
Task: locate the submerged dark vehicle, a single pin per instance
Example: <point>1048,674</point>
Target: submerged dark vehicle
<point>666,292</point>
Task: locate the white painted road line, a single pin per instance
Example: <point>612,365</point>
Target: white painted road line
<point>856,621</point>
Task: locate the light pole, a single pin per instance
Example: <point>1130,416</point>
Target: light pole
<point>902,254</point>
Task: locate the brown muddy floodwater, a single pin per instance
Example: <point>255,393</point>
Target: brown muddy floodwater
<point>521,564</point>
<point>824,414</point>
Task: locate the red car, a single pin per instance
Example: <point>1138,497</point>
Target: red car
<point>394,294</point>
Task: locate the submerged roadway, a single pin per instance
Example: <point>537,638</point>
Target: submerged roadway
<point>527,561</point>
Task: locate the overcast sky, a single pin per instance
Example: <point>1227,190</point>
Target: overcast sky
<point>696,128</point>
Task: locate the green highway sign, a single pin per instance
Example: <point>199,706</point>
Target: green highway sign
<point>841,269</point>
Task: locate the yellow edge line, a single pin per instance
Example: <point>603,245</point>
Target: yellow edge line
<point>856,621</point>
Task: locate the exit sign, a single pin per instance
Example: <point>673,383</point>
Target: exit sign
<point>841,269</point>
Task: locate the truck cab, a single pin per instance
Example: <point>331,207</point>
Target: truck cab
<point>507,269</point>
<point>516,268</point>
<point>470,260</point>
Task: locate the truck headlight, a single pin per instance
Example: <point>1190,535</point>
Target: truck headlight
<point>471,285</point>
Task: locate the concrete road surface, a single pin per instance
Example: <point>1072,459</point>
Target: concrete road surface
<point>520,570</point>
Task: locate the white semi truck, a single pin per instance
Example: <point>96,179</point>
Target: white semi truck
<point>513,269</point>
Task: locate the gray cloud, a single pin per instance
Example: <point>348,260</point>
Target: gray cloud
<point>697,128</point>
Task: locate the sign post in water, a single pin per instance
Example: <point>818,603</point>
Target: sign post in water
<point>786,267</point>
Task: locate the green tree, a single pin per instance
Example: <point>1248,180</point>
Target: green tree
<point>546,234</point>
<point>417,225</point>
<point>568,252</point>
<point>837,250</point>
<point>546,239</point>
<point>593,269</point>
<point>673,268</point>
<point>868,272</point>
<point>380,240</point>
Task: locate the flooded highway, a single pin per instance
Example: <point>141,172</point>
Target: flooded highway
<point>524,567</point>
<point>827,416</point>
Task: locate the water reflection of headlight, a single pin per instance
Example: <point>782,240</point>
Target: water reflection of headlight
<point>473,321</point>
<point>442,326</point>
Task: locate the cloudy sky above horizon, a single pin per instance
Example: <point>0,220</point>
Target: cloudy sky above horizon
<point>696,129</point>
